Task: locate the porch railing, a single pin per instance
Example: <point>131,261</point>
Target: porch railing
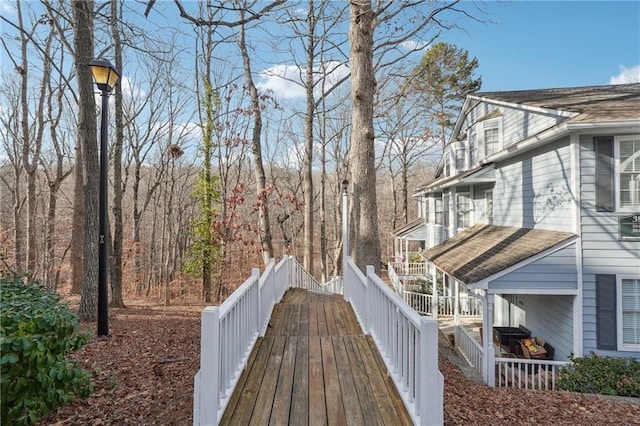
<point>408,342</point>
<point>469,347</point>
<point>413,269</point>
<point>470,307</point>
<point>527,373</point>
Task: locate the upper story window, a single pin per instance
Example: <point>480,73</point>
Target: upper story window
<point>473,147</point>
<point>461,157</point>
<point>464,207</point>
<point>629,171</point>
<point>492,135</point>
<point>438,220</point>
<point>447,162</point>
<point>617,173</point>
<point>488,205</point>
<point>445,210</point>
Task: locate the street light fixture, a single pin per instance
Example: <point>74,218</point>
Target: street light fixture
<point>106,76</point>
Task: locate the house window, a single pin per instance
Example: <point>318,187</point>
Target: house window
<point>473,147</point>
<point>628,289</point>
<point>445,210</point>
<point>464,207</point>
<point>488,205</point>
<point>492,136</point>
<point>617,173</point>
<point>618,312</point>
<point>628,149</point>
<point>425,203</point>
<point>460,157</point>
<point>438,211</point>
<point>447,162</point>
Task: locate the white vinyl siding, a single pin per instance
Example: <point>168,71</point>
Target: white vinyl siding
<point>535,189</point>
<point>628,172</point>
<point>628,291</point>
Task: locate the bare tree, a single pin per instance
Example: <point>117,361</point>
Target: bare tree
<point>87,139</point>
<point>365,239</point>
<point>256,147</point>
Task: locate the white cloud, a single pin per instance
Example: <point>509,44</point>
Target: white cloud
<point>7,8</point>
<point>285,81</point>
<point>129,90</point>
<point>413,45</point>
<point>627,75</point>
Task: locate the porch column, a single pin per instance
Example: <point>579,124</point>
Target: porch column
<point>488,360</point>
<point>434,291</point>
<point>406,254</point>
<point>456,307</point>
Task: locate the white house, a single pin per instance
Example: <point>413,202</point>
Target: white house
<point>536,207</point>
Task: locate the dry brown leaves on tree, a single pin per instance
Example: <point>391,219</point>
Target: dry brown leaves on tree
<point>144,376</point>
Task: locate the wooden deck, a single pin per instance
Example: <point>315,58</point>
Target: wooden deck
<point>315,366</point>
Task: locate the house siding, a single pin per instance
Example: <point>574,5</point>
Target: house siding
<point>602,253</point>
<point>517,123</point>
<point>534,190</point>
<point>555,271</point>
<point>550,317</point>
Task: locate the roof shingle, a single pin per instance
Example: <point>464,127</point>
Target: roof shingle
<point>484,250</point>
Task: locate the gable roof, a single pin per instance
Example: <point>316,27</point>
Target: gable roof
<point>590,103</point>
<point>411,228</point>
<point>484,250</point>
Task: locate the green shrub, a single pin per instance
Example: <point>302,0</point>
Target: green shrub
<point>601,375</point>
<point>37,332</point>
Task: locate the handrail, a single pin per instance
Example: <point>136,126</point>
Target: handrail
<point>229,332</point>
<point>469,347</point>
<point>408,343</point>
<point>307,281</point>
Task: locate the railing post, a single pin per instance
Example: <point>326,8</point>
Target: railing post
<point>434,290</point>
<point>209,375</point>
<point>255,274</point>
<point>431,387</point>
<point>368,298</point>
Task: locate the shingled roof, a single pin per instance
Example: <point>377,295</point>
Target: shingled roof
<point>484,250</point>
<point>590,103</point>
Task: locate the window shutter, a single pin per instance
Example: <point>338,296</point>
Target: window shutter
<point>605,192</point>
<point>606,327</point>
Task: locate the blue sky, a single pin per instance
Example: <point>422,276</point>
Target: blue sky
<point>545,44</point>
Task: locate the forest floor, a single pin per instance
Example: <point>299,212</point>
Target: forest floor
<point>143,375</point>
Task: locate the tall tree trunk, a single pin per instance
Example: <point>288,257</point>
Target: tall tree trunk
<point>87,138</point>
<point>307,171</point>
<point>76,254</point>
<point>365,242</point>
<point>116,259</point>
<point>256,149</point>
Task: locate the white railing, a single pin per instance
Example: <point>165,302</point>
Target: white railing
<point>413,269</point>
<point>303,279</point>
<point>469,347</point>
<point>470,307</point>
<point>421,302</point>
<point>229,332</point>
<point>408,343</point>
<point>527,373</point>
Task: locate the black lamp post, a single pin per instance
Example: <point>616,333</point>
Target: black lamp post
<point>106,76</point>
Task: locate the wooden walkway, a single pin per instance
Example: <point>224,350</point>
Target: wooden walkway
<point>314,366</point>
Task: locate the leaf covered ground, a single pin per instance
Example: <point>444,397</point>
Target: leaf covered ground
<point>143,375</point>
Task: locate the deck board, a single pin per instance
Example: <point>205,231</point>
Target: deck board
<point>315,366</point>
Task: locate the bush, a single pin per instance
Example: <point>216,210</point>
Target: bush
<point>601,375</point>
<point>37,332</point>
